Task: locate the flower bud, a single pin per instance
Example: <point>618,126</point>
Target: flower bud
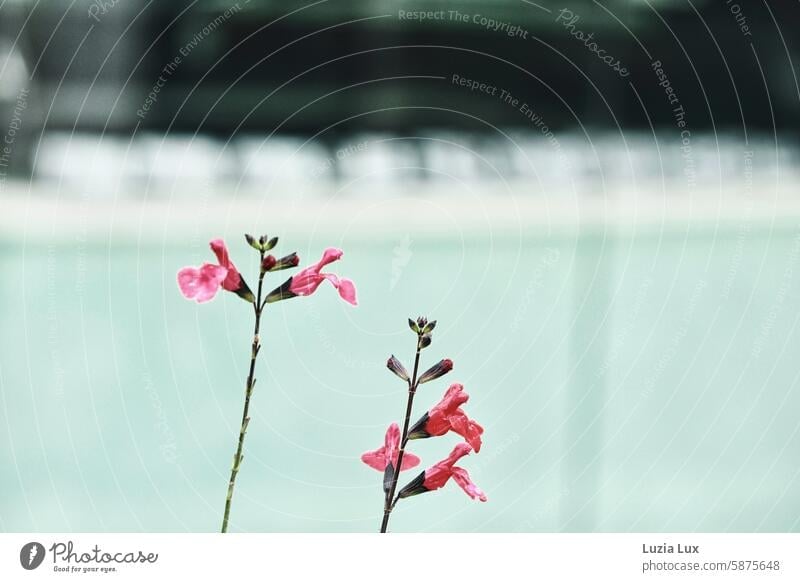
<point>286,262</point>
<point>436,371</point>
<point>397,368</point>
<point>268,263</point>
<point>422,321</point>
<point>252,241</point>
<point>425,340</point>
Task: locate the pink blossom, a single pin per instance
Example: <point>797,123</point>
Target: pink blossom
<point>447,416</point>
<point>380,458</point>
<point>202,284</point>
<point>439,474</point>
<point>309,279</point>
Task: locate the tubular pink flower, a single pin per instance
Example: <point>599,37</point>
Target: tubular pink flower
<point>306,281</point>
<point>447,415</point>
<point>202,284</point>
<point>380,458</point>
<point>437,475</point>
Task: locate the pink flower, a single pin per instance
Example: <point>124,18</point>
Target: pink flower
<point>447,415</point>
<point>202,284</point>
<point>306,281</point>
<point>379,459</point>
<point>439,474</point>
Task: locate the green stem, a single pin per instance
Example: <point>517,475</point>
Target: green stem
<point>251,382</point>
<point>388,505</point>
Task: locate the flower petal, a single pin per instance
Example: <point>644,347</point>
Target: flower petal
<point>188,281</point>
<point>233,280</point>
<point>460,450</point>
<point>375,459</point>
<point>221,251</point>
<point>391,441</point>
<point>346,288</point>
<point>201,284</point>
<point>469,429</point>
<point>305,282</point>
<point>461,477</point>
<point>410,461</point>
<point>330,255</point>
<point>347,291</point>
<point>452,399</point>
<point>439,416</point>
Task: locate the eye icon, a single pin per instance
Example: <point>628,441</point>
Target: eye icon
<point>31,555</point>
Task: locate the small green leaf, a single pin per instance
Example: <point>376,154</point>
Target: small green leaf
<point>252,242</point>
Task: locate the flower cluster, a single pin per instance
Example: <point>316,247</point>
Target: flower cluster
<point>445,416</point>
<point>202,283</point>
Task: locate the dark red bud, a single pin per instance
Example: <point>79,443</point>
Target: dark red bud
<point>397,368</point>
<point>436,371</point>
<point>268,262</point>
<point>286,262</point>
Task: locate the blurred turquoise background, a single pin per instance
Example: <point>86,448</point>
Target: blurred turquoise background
<point>628,380</point>
<point>612,254</point>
